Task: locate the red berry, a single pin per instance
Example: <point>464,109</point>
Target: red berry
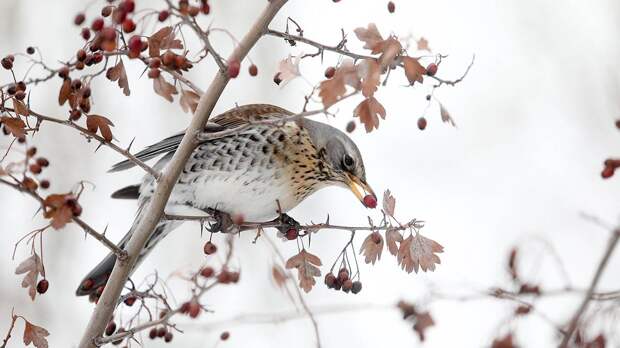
<point>35,168</point>
<point>20,95</point>
<point>161,332</point>
<point>431,69</point>
<point>330,72</point>
<point>42,286</point>
<point>85,34</point>
<point>253,70</point>
<point>370,201</point>
<point>107,11</point>
<point>347,285</point>
<point>207,272</point>
<point>154,63</point>
<point>233,68</point>
<point>97,24</point>
<point>153,73</point>
<point>234,276</point>
<point>135,44</point>
<point>291,233</point>
<point>7,63</point>
<point>193,11</point>
<point>109,330</point>
<point>45,184</point>
<point>608,172</point>
<point>194,309</point>
<point>163,15</point>
<point>224,335</point>
<point>391,7</point>
<point>210,248</point>
<point>205,8</point>
<point>330,280</point>
<point>128,25</point>
<point>224,277</point>
<point>343,275</point>
<point>79,19</point>
<point>153,333</point>
<point>168,337</point>
<point>130,301</point>
<point>618,124</point>
<point>129,5</point>
<point>421,123</point>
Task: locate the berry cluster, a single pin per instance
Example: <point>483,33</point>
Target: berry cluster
<point>342,282</point>
<point>161,332</point>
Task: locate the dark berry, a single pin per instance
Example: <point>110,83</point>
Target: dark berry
<point>168,337</point>
<point>30,50</point>
<point>163,15</point>
<point>350,126</point>
<point>431,69</point>
<point>45,184</point>
<point>97,24</point>
<point>225,335</point>
<point>79,19</point>
<point>210,248</point>
<point>330,72</point>
<point>421,123</point>
<point>391,7</point>
<point>109,330</point>
<point>253,70</point>
<point>330,280</point>
<point>291,233</point>
<point>356,287</point>
<point>207,272</point>
<point>153,333</point>
<point>42,286</point>
<point>130,301</point>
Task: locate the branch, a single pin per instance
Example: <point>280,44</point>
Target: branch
<point>339,49</point>
<point>8,334</point>
<point>611,245</point>
<point>154,208</point>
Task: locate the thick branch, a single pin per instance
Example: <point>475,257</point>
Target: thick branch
<point>154,208</point>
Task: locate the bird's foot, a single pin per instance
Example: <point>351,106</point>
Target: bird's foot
<point>288,227</point>
<point>223,222</point>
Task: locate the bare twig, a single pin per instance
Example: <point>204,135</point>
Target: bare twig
<point>8,334</point>
<point>611,245</point>
<point>339,49</point>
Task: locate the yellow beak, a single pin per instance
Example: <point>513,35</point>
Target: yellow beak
<point>361,190</point>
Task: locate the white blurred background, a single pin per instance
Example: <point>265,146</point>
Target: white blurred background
<point>535,122</point>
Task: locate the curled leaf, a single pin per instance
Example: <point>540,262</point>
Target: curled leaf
<point>393,236</point>
<point>20,108</point>
<point>372,247</point>
<point>96,122</point>
<point>164,38</point>
<point>389,203</point>
<point>371,37</point>
<point>65,92</point>
<point>32,266</point>
<point>445,115</point>
<point>164,89</point>
<point>14,125</point>
<point>118,73</point>
<point>189,100</point>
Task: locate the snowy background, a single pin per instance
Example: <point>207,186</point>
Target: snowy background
<point>535,122</point>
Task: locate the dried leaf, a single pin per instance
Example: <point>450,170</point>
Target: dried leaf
<point>423,321</point>
<point>163,39</point>
<point>14,125</point>
<point>418,252</point>
<point>445,115</point>
<point>306,265</point>
<point>391,50</point>
<point>389,203</point>
<point>65,92</point>
<point>503,342</point>
<point>369,111</point>
<point>370,72</point>
<point>413,70</point>
<point>423,45</point>
<point>288,69</point>
<point>371,37</point>
<point>279,275</point>
<point>2,171</point>
<point>393,236</point>
<point>118,73</point>
<point>189,100</point>
<point>32,266</point>
<point>333,89</point>
<point>96,122</point>
<point>35,335</point>
<point>60,208</point>
<point>163,88</point>
<point>372,247</point>
<point>20,108</point>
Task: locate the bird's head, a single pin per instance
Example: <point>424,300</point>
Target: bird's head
<point>346,166</point>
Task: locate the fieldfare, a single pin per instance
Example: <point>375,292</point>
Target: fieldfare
<point>258,173</point>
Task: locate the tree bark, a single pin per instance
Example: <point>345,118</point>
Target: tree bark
<point>155,207</point>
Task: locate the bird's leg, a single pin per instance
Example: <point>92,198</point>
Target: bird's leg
<point>223,222</point>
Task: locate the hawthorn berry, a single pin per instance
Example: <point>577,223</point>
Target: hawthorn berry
<point>343,275</point>
<point>168,337</point>
<point>75,114</point>
<point>110,328</point>
<point>356,287</point>
<point>330,280</point>
<point>194,309</point>
<point>35,168</point>
<point>431,69</point>
<point>608,172</point>
<point>330,72</point>
<point>233,68</point>
<point>207,272</point>
<point>370,201</point>
<point>292,233</point>
<point>210,248</point>
<point>63,73</point>
<point>205,8</point>
<point>79,19</point>
<point>129,5</point>
<point>30,50</point>
<point>129,25</point>
<point>43,162</point>
<point>347,285</point>
<point>153,333</point>
<point>20,95</point>
<point>163,15</point>
<point>234,276</point>
<point>391,7</point>
<point>253,70</point>
<point>225,335</point>
<point>7,63</point>
<point>162,331</point>
<point>224,277</point>
<point>421,123</point>
<point>130,300</point>
<point>45,184</point>
<point>85,34</point>
<point>97,24</point>
<point>153,73</point>
<point>168,58</point>
<point>350,126</point>
<point>193,11</point>
<point>42,286</point>
<point>154,63</point>
<point>106,11</point>
<point>31,151</point>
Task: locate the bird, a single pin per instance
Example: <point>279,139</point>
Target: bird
<point>255,162</point>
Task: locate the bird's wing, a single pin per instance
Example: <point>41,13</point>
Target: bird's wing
<point>230,119</point>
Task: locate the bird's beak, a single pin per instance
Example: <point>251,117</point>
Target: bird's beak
<point>361,190</point>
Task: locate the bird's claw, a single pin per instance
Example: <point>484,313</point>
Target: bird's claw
<point>223,222</point>
<point>287,223</point>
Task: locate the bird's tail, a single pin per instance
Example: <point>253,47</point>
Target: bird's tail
<point>96,279</point>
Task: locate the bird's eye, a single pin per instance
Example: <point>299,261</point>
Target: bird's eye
<point>348,161</point>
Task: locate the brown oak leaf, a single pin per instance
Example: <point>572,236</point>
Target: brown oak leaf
<point>20,108</point>
<point>369,111</point>
<point>413,70</point>
<point>189,100</point>
<point>32,266</point>
<point>14,125</point>
<point>65,92</point>
<point>372,247</point>
<point>389,203</point>
<point>417,252</point>
<point>423,321</point>
<point>306,265</point>
<point>96,122</point>
<point>288,69</point>
<point>163,88</point>
<point>371,37</point>
<point>164,38</point>
<point>445,115</point>
<point>35,335</point>
<point>118,73</point>
<point>393,236</point>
